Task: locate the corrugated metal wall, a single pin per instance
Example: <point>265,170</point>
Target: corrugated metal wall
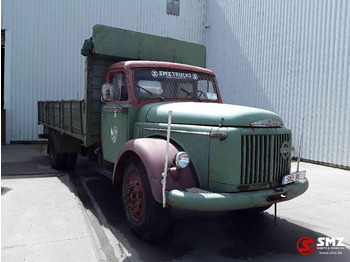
<point>291,57</point>
<point>43,45</point>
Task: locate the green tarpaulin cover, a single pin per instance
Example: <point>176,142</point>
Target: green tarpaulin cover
<point>130,45</point>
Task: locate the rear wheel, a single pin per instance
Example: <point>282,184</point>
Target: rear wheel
<point>57,160</point>
<point>71,160</point>
<point>60,160</point>
<point>146,217</point>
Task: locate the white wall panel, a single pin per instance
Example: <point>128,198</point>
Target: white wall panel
<point>291,57</point>
<point>46,38</point>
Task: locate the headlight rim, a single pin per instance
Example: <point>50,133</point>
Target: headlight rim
<point>177,159</point>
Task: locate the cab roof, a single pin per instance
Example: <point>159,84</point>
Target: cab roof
<point>159,64</point>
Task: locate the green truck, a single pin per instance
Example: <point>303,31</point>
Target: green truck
<point>153,121</point>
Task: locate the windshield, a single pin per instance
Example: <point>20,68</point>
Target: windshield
<point>163,83</point>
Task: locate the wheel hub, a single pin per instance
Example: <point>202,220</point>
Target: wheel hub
<point>135,201</point>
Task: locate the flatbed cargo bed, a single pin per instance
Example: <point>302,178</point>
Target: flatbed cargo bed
<point>66,116</point>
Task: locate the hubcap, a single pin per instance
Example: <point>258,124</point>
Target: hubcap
<point>134,199</point>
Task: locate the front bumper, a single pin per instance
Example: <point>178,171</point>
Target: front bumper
<point>235,201</point>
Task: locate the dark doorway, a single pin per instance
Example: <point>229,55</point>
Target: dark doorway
<point>3,112</point>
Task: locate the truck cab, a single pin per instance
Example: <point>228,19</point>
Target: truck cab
<point>136,86</point>
<point>235,156</point>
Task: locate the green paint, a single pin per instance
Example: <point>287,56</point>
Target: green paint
<point>206,114</point>
<point>114,132</point>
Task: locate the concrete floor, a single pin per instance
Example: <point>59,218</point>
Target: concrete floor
<point>43,221</point>
<point>78,216</point>
<point>42,217</point>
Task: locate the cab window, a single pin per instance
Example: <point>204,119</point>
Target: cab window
<point>120,90</point>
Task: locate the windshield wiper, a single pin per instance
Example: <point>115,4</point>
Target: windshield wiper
<point>151,93</point>
<point>191,94</point>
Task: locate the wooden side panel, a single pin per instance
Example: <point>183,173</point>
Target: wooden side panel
<point>79,118</point>
<point>65,116</point>
<point>96,68</point>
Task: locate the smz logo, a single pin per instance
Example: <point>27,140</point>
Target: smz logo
<point>306,245</point>
<point>330,242</point>
<point>154,73</point>
<point>332,245</point>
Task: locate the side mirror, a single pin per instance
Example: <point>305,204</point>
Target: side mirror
<point>107,93</point>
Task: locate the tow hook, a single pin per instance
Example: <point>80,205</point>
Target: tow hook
<point>276,197</point>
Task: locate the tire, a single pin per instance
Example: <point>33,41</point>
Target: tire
<point>60,160</point>
<point>57,160</point>
<point>71,160</point>
<point>146,217</point>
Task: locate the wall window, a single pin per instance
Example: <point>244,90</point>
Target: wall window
<point>173,7</point>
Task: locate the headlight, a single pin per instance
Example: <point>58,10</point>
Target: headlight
<point>181,160</point>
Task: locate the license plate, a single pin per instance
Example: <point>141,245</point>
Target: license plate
<point>292,177</point>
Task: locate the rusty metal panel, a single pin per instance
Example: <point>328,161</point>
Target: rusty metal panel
<point>291,57</point>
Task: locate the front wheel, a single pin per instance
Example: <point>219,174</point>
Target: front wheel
<point>146,217</point>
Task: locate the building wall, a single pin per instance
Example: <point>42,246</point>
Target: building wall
<point>44,38</point>
<point>291,57</point>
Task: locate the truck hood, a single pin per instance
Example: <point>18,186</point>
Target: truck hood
<point>208,114</point>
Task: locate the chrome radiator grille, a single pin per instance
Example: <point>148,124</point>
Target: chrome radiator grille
<point>265,158</point>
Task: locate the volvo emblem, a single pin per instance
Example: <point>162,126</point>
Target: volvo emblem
<point>285,150</point>
<point>114,133</point>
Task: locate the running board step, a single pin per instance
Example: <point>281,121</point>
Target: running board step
<point>105,172</point>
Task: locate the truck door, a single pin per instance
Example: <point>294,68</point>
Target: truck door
<point>114,117</point>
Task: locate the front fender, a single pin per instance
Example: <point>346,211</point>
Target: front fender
<point>152,151</point>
